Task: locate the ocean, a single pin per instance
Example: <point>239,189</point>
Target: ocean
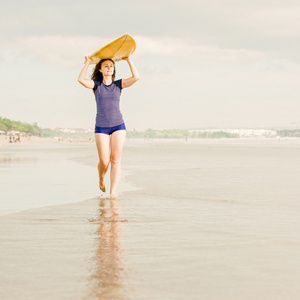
<point>195,219</point>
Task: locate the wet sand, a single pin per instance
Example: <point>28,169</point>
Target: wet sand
<point>70,251</point>
<point>222,224</point>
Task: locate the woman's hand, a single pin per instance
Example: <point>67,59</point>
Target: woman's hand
<point>81,78</point>
<point>135,75</point>
<point>88,59</point>
<point>127,58</point>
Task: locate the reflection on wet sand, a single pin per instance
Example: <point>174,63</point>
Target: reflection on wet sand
<point>107,279</point>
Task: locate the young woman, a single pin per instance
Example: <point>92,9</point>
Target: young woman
<point>110,130</point>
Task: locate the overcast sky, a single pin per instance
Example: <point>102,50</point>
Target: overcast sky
<point>209,63</point>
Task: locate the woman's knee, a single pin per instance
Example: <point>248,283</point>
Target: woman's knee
<point>115,159</point>
<point>104,162</point>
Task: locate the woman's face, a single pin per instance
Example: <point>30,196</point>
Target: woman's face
<point>107,68</point>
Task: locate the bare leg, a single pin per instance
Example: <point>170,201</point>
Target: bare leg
<point>117,143</point>
<point>103,145</point>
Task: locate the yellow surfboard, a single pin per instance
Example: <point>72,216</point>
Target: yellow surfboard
<point>116,50</point>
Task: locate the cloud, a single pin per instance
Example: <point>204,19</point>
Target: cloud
<point>280,22</point>
<point>183,48</point>
<point>70,50</point>
<point>62,50</point>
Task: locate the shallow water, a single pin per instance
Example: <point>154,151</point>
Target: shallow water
<point>215,219</point>
<point>33,176</point>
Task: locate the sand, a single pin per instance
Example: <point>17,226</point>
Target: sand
<point>229,231</point>
<point>33,140</point>
<point>62,252</point>
<point>36,140</point>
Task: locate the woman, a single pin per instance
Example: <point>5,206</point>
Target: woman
<point>110,130</point>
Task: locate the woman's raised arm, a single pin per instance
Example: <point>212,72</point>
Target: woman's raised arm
<point>135,75</point>
<point>88,83</point>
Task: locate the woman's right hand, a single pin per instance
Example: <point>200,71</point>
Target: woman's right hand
<point>88,83</point>
<point>87,59</point>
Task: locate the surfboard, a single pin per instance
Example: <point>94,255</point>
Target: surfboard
<point>120,48</point>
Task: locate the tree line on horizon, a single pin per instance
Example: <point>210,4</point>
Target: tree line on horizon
<point>178,134</point>
<point>9,125</point>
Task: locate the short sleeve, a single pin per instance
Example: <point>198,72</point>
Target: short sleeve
<point>119,83</point>
<point>96,84</point>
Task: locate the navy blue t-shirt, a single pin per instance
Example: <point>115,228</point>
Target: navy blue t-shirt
<point>108,103</point>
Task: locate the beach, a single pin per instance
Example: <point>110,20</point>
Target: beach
<point>196,219</point>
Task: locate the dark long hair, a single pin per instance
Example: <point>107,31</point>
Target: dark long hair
<point>97,75</point>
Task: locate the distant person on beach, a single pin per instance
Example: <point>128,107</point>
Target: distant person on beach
<point>110,130</point>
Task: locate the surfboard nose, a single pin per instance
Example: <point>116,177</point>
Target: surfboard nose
<point>118,49</point>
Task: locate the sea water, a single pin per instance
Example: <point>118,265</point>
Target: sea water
<point>212,219</point>
<point>216,219</point>
<point>34,176</point>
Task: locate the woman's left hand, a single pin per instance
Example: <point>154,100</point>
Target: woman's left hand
<point>135,75</point>
<point>127,58</point>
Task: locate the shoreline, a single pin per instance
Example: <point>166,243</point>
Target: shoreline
<point>126,184</point>
<point>54,164</point>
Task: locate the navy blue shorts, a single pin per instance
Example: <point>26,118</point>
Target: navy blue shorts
<point>110,130</point>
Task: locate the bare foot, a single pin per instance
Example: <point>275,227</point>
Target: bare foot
<point>113,196</point>
<point>102,187</point>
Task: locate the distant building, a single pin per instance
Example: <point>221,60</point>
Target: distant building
<point>243,133</point>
